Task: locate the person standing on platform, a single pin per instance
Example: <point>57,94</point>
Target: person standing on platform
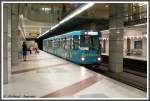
<point>36,48</point>
<point>30,49</point>
<point>24,50</point>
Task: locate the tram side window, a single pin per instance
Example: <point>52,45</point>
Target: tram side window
<point>67,43</point>
<point>44,43</point>
<point>63,43</point>
<point>55,43</point>
<point>58,43</point>
<point>49,43</point>
<point>75,42</point>
<point>71,47</point>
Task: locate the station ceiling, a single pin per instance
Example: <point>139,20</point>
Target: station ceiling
<point>38,18</point>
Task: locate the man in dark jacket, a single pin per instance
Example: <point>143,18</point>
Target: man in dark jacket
<point>24,50</point>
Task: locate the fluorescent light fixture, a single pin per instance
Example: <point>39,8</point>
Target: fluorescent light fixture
<point>43,34</point>
<point>140,24</point>
<point>45,9</point>
<point>106,6</point>
<point>55,26</point>
<point>77,11</point>
<point>73,14</point>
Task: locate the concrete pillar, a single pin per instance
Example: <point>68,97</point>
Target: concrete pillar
<point>14,33</point>
<point>6,49</point>
<point>116,37</point>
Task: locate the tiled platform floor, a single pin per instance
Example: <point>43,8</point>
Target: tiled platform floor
<point>48,76</point>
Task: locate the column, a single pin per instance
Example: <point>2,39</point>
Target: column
<point>6,63</point>
<point>116,32</point>
<point>14,33</point>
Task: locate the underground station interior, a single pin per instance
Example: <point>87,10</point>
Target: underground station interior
<point>75,50</point>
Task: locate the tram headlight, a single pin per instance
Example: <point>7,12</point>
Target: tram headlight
<point>82,58</point>
<point>99,59</point>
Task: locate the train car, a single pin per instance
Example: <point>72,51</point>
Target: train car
<point>45,42</point>
<point>82,47</point>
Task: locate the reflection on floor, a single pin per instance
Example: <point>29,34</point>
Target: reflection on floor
<point>47,76</point>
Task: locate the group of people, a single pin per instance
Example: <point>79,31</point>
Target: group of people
<point>25,49</point>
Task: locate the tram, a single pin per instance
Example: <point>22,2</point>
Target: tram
<point>81,47</point>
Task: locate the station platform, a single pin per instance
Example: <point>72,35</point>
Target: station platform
<point>46,76</point>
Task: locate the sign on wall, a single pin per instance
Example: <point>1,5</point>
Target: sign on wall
<point>33,34</point>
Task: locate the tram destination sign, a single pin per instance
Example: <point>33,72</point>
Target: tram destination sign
<point>91,33</point>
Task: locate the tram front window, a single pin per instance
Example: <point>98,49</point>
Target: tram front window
<point>89,42</point>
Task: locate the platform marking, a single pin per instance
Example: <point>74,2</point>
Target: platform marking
<point>74,88</point>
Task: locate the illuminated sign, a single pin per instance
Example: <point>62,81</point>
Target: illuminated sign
<point>33,34</point>
<point>91,33</point>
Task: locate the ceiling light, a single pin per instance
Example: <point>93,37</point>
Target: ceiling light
<point>46,9</point>
<point>76,12</point>
<point>55,26</point>
<point>106,6</point>
<point>73,14</point>
<point>43,34</point>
